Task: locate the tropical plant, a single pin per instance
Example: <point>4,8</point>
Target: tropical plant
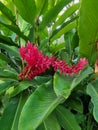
<point>48,65</point>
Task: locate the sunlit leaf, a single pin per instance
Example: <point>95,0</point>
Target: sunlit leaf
<point>68,12</point>
<point>15,29</point>
<point>27,9</point>
<point>59,32</point>
<point>52,13</point>
<point>7,13</point>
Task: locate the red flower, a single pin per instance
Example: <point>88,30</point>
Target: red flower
<point>62,66</point>
<point>37,63</point>
<point>79,66</point>
<point>22,52</point>
<point>66,69</point>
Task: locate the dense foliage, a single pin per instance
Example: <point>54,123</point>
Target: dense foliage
<point>48,65</point>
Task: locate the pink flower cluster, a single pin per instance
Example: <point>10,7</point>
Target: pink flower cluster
<point>37,63</point>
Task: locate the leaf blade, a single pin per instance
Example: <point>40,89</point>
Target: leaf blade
<point>93,93</point>
<point>40,104</point>
<point>27,9</point>
<point>88,32</point>
<point>67,119</point>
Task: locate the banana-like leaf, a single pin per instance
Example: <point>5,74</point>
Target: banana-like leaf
<point>52,13</point>
<point>92,90</point>
<point>27,9</point>
<point>7,13</point>
<point>12,113</point>
<point>37,81</point>
<point>59,32</point>
<point>41,6</point>
<point>7,40</point>
<point>4,85</point>
<point>51,123</point>
<point>68,12</point>
<point>4,58</point>
<point>13,51</point>
<point>88,29</point>
<point>67,119</point>
<point>7,73</point>
<point>15,29</point>
<point>62,85</point>
<point>38,106</point>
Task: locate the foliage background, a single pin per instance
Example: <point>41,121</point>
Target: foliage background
<point>51,101</point>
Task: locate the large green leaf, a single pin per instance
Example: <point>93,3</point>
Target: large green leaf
<point>88,29</point>
<point>51,123</point>
<point>15,29</point>
<point>5,85</point>
<point>4,58</point>
<point>52,13</point>
<point>7,13</point>
<point>67,119</point>
<point>13,51</point>
<point>92,90</point>
<point>37,81</point>
<point>83,74</point>
<point>65,15</point>
<point>7,40</point>
<point>75,104</point>
<point>8,73</point>
<point>57,47</point>
<point>12,113</point>
<point>27,9</point>
<point>62,85</point>
<point>38,106</point>
<point>59,32</point>
<point>41,6</point>
<point>22,86</point>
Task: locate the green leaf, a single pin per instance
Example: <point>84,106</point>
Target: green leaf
<point>92,90</point>
<point>8,73</point>
<point>51,123</point>
<point>7,13</point>
<point>68,38</point>
<point>12,113</point>
<point>15,29</point>
<point>65,15</point>
<point>41,127</point>
<point>22,86</point>
<point>27,9</point>
<point>13,51</point>
<point>4,57</point>
<point>75,105</point>
<point>54,48</point>
<point>7,40</point>
<point>65,29</point>
<point>83,74</point>
<point>4,85</point>
<point>67,119</point>
<point>88,29</point>
<point>62,85</point>
<point>41,6</point>
<point>75,41</point>
<point>38,106</point>
<point>36,82</point>
<point>52,13</point>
